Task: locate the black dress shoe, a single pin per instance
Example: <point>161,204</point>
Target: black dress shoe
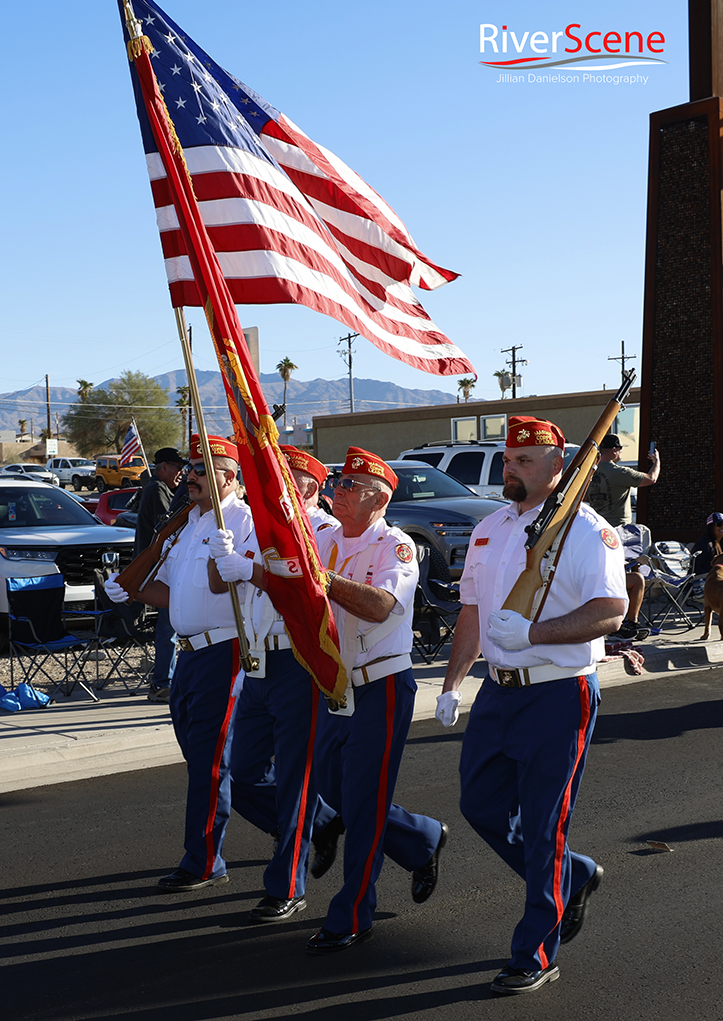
<point>325,845</point>
<point>181,881</point>
<point>576,908</point>
<point>424,880</point>
<point>276,909</point>
<point>328,942</point>
<point>512,981</point>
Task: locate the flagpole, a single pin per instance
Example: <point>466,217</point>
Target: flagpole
<point>140,441</point>
<point>247,661</point>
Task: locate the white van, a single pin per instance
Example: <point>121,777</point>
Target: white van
<point>477,464</point>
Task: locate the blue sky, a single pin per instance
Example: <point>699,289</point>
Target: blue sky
<point>535,193</point>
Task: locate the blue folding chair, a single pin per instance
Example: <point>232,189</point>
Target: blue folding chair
<point>40,644</point>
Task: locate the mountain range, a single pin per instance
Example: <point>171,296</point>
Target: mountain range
<point>305,398</point>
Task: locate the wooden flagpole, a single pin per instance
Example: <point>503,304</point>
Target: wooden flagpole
<point>247,661</point>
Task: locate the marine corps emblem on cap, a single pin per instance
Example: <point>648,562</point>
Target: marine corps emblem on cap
<point>522,435</point>
<point>363,462</point>
<point>528,431</point>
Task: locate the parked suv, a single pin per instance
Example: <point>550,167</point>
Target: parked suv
<point>76,471</point>
<point>475,463</point>
<point>46,531</point>
<point>109,474</point>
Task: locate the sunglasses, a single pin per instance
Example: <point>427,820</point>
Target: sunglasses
<point>199,470</point>
<point>349,485</point>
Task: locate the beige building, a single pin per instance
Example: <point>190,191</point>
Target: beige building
<point>387,433</point>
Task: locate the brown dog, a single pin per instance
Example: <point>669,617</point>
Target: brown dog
<point>713,595</point>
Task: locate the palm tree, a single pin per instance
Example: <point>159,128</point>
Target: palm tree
<point>22,426</point>
<point>183,403</point>
<point>284,369</point>
<point>84,388</point>
<point>504,379</point>
<point>465,385</point>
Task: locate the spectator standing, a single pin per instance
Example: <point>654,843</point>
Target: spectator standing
<point>609,492</point>
<point>155,502</point>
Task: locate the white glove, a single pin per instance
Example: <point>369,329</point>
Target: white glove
<point>448,707</point>
<point>220,543</point>
<point>234,567</point>
<point>115,592</point>
<point>509,630</point>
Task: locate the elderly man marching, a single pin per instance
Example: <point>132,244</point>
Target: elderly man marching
<point>530,726</point>
<point>275,719</point>
<point>208,673</point>
<point>373,575</point>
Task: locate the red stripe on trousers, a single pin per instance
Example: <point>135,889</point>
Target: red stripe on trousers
<point>301,818</point>
<point>381,799</point>
<point>216,768</point>
<point>565,809</point>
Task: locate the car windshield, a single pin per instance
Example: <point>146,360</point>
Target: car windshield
<point>31,508</point>
<point>80,462</point>
<point>426,483</point>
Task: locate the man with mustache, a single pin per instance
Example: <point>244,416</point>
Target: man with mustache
<point>530,726</point>
<point>208,673</point>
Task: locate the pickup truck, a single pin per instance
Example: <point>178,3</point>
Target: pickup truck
<point>77,472</point>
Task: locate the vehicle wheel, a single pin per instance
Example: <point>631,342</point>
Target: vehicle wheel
<point>62,485</point>
<point>77,483</point>
<point>100,485</point>
<point>126,483</point>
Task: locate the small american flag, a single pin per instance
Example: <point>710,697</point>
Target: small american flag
<point>131,445</point>
<point>289,221</point>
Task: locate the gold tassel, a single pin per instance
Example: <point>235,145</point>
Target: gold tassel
<point>136,47</point>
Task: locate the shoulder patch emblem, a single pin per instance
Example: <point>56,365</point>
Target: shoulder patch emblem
<point>482,541</point>
<point>404,553</point>
<point>327,524</point>
<point>610,538</point>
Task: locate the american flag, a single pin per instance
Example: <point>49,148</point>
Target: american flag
<point>131,445</point>
<point>289,221</point>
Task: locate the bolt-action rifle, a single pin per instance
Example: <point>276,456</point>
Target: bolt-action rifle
<point>146,565</point>
<point>548,531</point>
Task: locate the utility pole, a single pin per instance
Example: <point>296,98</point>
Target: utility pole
<point>47,401</point>
<point>190,400</point>
<point>623,358</point>
<point>514,361</point>
<point>347,356</point>
<point>57,426</point>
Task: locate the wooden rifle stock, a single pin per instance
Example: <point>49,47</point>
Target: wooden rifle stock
<point>561,506</point>
<point>143,568</point>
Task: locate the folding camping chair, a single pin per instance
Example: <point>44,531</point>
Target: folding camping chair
<point>125,633</point>
<point>671,590</point>
<point>436,608</point>
<point>40,645</point>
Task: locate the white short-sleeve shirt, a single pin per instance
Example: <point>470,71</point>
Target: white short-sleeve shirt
<point>393,569</point>
<point>591,566</point>
<point>193,607</point>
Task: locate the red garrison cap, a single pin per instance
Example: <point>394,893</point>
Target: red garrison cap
<point>303,461</point>
<point>528,431</point>
<point>220,447</point>
<point>361,462</point>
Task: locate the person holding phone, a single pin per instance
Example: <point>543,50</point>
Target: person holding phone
<point>609,492</point>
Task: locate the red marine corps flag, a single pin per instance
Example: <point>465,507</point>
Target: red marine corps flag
<point>288,220</point>
<point>295,579</point>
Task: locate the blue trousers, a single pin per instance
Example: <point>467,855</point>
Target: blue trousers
<point>276,716</point>
<point>357,763</point>
<point>202,710</point>
<point>522,761</point>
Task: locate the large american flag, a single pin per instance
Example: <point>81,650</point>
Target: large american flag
<point>289,221</point>
<point>131,445</point>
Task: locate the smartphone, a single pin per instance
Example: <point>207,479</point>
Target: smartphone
<point>652,448</point>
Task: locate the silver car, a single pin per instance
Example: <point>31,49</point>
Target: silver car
<point>36,472</point>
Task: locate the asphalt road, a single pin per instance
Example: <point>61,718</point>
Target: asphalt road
<point>88,935</point>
